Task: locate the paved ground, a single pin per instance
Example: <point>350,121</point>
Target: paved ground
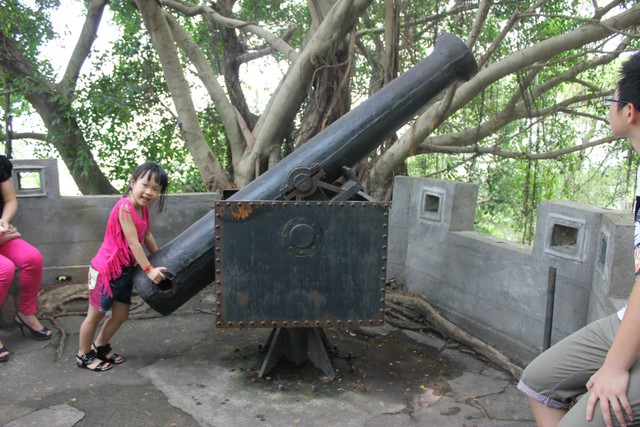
<point>181,371</point>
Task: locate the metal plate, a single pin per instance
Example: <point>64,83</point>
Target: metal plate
<point>300,264</point>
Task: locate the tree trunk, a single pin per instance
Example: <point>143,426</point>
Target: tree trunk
<point>284,105</point>
<point>66,136</point>
<point>331,97</point>
<point>212,173</point>
<point>59,118</point>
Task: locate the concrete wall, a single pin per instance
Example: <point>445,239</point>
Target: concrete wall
<point>497,289</point>
<point>493,288</point>
<point>69,230</point>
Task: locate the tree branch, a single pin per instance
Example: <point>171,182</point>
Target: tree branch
<point>528,56</point>
<point>83,47</point>
<point>417,309</point>
<point>494,151</point>
<point>208,78</point>
<point>24,135</point>
<point>413,23</point>
<point>277,43</point>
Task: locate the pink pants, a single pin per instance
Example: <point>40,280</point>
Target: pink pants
<point>18,253</point>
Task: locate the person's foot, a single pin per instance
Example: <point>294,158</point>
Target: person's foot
<point>106,354</point>
<point>91,362</point>
<point>4,353</point>
<point>32,321</point>
<point>33,325</point>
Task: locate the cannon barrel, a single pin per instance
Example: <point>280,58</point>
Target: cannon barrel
<point>190,256</point>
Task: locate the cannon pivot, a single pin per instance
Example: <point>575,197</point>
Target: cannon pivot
<point>306,184</point>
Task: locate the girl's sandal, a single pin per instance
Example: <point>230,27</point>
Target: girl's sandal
<point>103,351</point>
<point>85,361</point>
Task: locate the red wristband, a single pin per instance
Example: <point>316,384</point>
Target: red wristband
<point>147,268</point>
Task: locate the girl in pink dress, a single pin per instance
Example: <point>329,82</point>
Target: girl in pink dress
<point>121,252</point>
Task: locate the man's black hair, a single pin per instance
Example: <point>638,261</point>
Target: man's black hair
<point>629,84</point>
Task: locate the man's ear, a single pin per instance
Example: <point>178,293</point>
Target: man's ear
<point>633,115</point>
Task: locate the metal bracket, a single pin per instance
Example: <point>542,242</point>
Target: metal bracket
<point>298,345</point>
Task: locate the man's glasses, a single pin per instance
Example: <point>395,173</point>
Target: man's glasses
<point>609,101</point>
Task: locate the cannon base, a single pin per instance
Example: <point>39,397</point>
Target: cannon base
<point>298,345</point>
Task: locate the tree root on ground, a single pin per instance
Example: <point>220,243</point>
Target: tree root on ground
<point>412,312</point>
<point>52,300</point>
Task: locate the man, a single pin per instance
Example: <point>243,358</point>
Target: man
<point>599,364</point>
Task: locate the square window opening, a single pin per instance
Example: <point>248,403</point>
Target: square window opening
<point>564,237</point>
<point>602,256</point>
<point>431,203</point>
<point>29,180</point>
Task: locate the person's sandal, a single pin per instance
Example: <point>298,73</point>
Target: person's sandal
<point>103,351</point>
<point>41,335</point>
<point>85,361</point>
<point>4,354</point>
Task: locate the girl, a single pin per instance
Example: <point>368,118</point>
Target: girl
<point>110,275</point>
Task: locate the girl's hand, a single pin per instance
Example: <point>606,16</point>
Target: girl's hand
<point>155,274</point>
<point>5,226</point>
<point>609,386</point>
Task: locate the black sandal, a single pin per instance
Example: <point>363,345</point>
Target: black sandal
<point>6,355</point>
<point>41,335</point>
<point>85,361</point>
<point>103,351</point>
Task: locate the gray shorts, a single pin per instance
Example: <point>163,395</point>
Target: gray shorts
<point>557,378</point>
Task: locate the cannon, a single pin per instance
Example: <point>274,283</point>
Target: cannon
<point>317,168</point>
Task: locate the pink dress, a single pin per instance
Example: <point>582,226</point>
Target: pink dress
<point>115,254</point>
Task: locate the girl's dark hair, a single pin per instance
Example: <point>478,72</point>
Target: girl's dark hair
<point>629,84</point>
<point>152,171</point>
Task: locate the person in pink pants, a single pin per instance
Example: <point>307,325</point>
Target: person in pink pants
<point>18,254</point>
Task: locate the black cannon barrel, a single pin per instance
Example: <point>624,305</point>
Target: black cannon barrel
<point>190,256</point>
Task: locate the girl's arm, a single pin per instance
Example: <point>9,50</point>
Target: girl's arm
<point>129,229</point>
<point>10,203</point>
<point>609,384</point>
<point>150,242</point>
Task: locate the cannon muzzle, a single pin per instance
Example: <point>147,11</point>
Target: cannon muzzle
<point>190,256</point>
